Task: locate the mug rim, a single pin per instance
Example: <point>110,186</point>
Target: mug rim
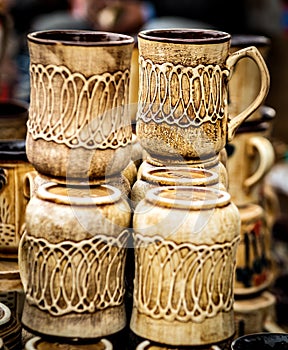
<point>185,36</point>
<point>72,37</point>
<point>234,344</point>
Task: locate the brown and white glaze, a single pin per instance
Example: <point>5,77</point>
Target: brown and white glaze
<point>186,239</point>
<point>183,92</point>
<point>79,125</point>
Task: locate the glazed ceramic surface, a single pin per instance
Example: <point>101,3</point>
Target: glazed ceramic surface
<point>252,158</point>
<point>254,271</point>
<point>183,92</point>
<point>72,259</point>
<point>185,248</point>
<point>245,83</point>
<point>79,125</point>
<point>260,341</point>
<point>172,176</point>
<point>14,166</point>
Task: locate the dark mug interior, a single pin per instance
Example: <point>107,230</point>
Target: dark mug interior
<point>261,341</point>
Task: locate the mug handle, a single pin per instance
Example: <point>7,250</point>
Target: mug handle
<point>266,159</point>
<point>253,53</point>
<point>22,260</point>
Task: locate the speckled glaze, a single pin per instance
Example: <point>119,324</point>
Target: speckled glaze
<point>185,248</point>
<point>183,92</point>
<point>71,261</point>
<point>79,124</point>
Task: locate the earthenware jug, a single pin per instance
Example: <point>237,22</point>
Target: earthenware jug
<point>186,239</point>
<point>72,259</point>
<point>14,166</point>
<point>245,82</point>
<point>79,125</point>
<point>254,268</point>
<point>183,92</point>
<point>261,341</point>
<point>252,158</point>
<point>172,176</point>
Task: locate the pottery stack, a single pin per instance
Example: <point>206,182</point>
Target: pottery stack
<point>186,236</point>
<point>251,157</point>
<point>72,254</point>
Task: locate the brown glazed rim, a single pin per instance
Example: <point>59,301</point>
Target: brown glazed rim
<point>184,35</point>
<point>79,38</point>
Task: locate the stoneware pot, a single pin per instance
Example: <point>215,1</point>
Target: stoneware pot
<point>254,268</point>
<point>261,341</point>
<point>79,125</point>
<point>14,166</point>
<point>183,92</point>
<point>147,345</point>
<point>245,83</point>
<point>36,343</point>
<point>172,176</point>
<point>186,239</point>
<point>72,259</point>
<point>10,329</point>
<point>13,119</point>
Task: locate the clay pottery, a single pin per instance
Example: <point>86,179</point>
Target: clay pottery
<point>72,259</point>
<point>245,83</point>
<point>10,329</point>
<point>13,119</point>
<point>261,341</point>
<point>172,176</point>
<point>79,125</point>
<point>252,314</point>
<point>252,158</point>
<point>36,343</point>
<point>185,240</point>
<point>254,268</point>
<point>214,165</point>
<point>130,173</point>
<point>183,91</point>
<point>14,165</point>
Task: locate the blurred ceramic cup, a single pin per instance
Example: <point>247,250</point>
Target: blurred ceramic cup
<point>13,119</point>
<point>79,126</point>
<point>245,83</point>
<point>183,91</point>
<point>252,158</point>
<point>261,341</point>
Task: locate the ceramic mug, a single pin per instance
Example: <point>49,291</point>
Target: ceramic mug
<point>186,239</point>
<point>183,92</point>
<point>79,125</point>
<point>252,158</point>
<point>14,166</point>
<point>245,83</point>
<point>71,260</point>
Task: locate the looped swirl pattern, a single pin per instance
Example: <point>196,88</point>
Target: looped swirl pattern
<point>184,96</point>
<point>183,282</point>
<point>78,277</point>
<point>70,109</point>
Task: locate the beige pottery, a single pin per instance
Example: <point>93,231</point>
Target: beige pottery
<point>79,125</point>
<point>183,92</point>
<point>186,239</point>
<point>71,261</point>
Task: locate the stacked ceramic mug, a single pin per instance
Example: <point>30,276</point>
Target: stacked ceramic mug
<point>186,237</point>
<point>252,157</point>
<point>72,254</point>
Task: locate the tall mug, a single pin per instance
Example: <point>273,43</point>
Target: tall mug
<point>183,91</point>
<point>79,125</point>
